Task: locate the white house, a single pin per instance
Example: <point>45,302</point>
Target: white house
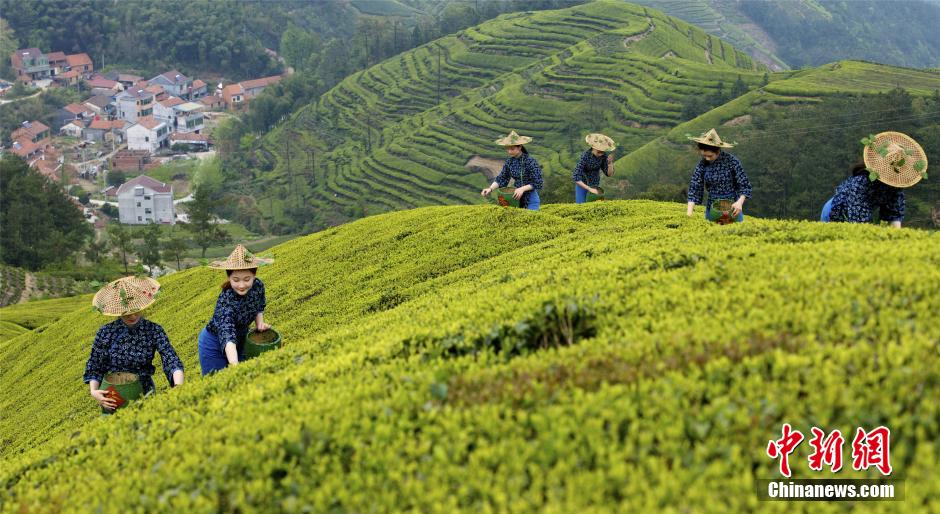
<point>163,110</point>
<point>133,104</point>
<point>189,117</point>
<point>143,200</point>
<point>73,128</point>
<point>147,134</point>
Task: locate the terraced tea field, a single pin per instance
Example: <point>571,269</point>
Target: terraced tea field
<point>398,135</point>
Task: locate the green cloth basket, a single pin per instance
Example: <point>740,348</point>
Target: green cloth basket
<point>254,348</point>
<point>591,197</point>
<point>504,197</point>
<point>126,385</point>
<point>720,212</point>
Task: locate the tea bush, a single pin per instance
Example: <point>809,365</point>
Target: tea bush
<point>615,356</point>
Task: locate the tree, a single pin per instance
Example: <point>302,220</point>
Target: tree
<point>120,238</point>
<point>202,219</point>
<point>40,225</point>
<point>96,250</point>
<point>116,178</point>
<point>8,45</point>
<point>149,250</point>
<point>175,246</point>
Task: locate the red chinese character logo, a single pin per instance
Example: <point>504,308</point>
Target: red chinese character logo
<point>826,450</point>
<point>872,449</point>
<point>783,447</point>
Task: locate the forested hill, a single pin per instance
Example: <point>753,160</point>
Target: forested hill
<point>225,37</point>
<point>800,33</point>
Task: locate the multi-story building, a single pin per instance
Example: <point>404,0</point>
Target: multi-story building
<point>143,200</point>
<point>30,64</point>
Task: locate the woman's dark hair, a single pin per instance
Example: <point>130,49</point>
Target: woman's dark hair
<point>710,148</point>
<point>524,150</point>
<point>228,284</point>
<point>859,168</point>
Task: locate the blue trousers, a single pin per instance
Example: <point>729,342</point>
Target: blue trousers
<point>827,208</point>
<point>580,194</point>
<point>211,356</point>
<point>708,209</point>
<point>534,201</point>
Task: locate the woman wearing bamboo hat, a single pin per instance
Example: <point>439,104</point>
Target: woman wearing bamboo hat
<point>587,173</point>
<point>523,169</point>
<point>242,300</point>
<point>720,173</point>
<point>892,162</point>
<point>128,343</point>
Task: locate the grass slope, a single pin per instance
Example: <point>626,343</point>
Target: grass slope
<point>580,359</point>
<point>384,139</point>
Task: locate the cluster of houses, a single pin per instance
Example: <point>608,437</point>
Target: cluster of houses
<point>123,109</point>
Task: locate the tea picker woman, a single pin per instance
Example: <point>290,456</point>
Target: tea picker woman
<point>523,169</point>
<point>128,343</point>
<point>587,173</point>
<point>719,173</point>
<point>892,161</point>
<point>242,300</point>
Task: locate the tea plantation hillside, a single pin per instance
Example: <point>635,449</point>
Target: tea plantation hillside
<point>615,356</point>
<point>403,133</point>
<point>400,134</point>
<point>800,33</point>
<point>23,317</point>
<point>798,137</point>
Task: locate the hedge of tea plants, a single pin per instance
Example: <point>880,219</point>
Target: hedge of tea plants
<point>615,356</point>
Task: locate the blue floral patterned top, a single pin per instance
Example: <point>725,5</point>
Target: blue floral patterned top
<point>233,313</point>
<point>118,347</point>
<point>524,170</point>
<point>856,198</point>
<point>724,178</point>
<point>589,168</point>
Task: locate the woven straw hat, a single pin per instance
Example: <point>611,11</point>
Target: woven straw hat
<point>514,139</point>
<point>711,138</point>
<point>600,142</point>
<point>125,296</point>
<point>895,158</point>
<point>240,258</point>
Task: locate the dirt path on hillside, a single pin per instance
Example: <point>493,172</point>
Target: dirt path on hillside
<point>634,39</point>
<point>488,167</point>
<point>29,288</point>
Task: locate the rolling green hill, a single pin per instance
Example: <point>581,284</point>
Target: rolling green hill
<point>613,356</point>
<point>400,134</point>
<point>23,317</point>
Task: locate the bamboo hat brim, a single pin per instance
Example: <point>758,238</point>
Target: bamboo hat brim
<point>514,139</point>
<point>600,142</point>
<point>711,138</point>
<point>126,295</point>
<point>895,159</point>
<point>240,258</point>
